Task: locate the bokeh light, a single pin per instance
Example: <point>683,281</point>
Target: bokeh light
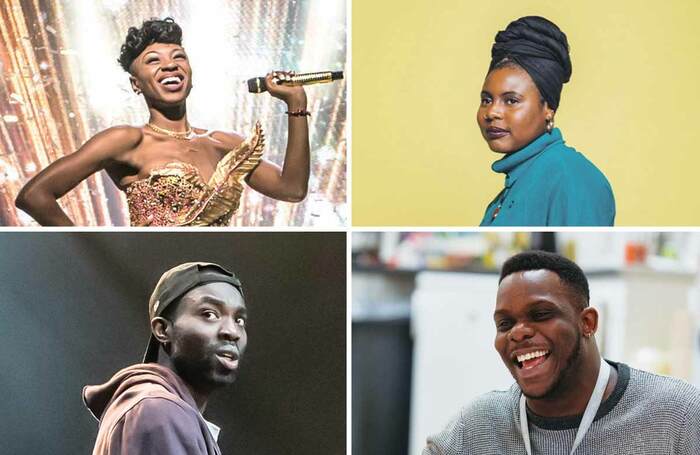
<point>61,84</point>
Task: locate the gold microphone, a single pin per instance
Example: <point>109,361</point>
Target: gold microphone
<point>258,85</point>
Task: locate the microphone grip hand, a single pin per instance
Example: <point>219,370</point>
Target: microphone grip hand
<point>294,96</point>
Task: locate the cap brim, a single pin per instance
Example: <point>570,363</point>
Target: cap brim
<point>151,355</point>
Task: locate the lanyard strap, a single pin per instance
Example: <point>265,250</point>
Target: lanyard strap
<point>588,415</point>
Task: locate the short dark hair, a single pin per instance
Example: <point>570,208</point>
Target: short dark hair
<point>152,31</point>
<point>569,273</point>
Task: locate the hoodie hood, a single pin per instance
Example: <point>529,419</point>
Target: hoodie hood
<point>98,397</point>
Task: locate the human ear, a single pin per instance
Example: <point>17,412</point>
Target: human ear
<point>135,85</point>
<point>548,118</point>
<point>548,112</point>
<point>589,322</point>
<point>160,327</point>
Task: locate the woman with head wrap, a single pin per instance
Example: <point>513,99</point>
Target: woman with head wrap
<point>547,182</point>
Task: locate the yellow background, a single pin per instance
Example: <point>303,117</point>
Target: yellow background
<point>418,157</point>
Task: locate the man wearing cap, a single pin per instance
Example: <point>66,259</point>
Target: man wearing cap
<point>198,317</point>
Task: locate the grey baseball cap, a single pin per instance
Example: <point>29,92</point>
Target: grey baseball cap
<point>175,283</point>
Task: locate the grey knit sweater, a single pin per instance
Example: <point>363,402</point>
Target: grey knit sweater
<point>646,414</point>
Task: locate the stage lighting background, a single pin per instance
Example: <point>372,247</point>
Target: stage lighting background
<point>61,84</point>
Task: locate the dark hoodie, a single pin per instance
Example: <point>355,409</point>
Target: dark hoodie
<point>147,409</point>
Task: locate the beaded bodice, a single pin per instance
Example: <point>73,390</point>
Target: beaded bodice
<point>176,194</point>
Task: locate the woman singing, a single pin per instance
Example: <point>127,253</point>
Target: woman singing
<point>175,174</point>
<point>547,182</point>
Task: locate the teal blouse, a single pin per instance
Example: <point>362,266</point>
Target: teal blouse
<point>550,184</point>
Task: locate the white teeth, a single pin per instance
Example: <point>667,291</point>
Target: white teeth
<point>531,355</point>
<point>170,79</point>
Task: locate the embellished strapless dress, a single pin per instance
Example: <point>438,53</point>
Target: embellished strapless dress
<point>177,195</point>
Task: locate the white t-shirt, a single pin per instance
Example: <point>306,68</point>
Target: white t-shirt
<point>213,429</point>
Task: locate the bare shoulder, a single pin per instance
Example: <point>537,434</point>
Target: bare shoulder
<point>121,135</point>
<point>230,139</point>
<point>112,143</point>
<point>117,138</point>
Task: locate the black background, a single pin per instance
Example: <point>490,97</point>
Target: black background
<point>73,311</point>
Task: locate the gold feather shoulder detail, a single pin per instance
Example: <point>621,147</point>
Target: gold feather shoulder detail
<point>240,161</point>
<point>224,189</point>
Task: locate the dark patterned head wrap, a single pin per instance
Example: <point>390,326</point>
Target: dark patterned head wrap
<point>541,49</point>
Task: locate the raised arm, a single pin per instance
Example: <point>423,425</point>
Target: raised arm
<point>39,196</point>
<point>289,182</point>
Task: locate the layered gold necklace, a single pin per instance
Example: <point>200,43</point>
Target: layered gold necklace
<point>176,134</point>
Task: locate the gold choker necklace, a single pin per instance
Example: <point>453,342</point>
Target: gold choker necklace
<point>177,135</point>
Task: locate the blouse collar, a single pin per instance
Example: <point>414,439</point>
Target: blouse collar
<point>512,163</point>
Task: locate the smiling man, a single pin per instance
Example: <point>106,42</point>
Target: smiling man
<point>566,398</point>
<point>198,317</point>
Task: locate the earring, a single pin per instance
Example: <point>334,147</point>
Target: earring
<point>550,125</point>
